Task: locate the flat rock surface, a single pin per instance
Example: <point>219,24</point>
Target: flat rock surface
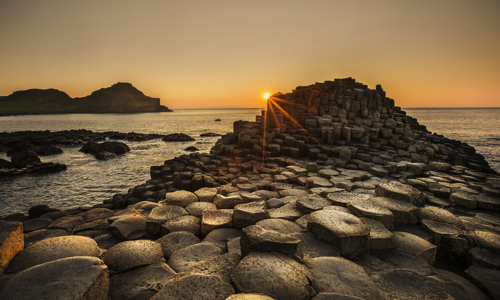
<point>184,259</point>
<point>272,274</point>
<point>129,227</point>
<point>175,241</point>
<point>131,254</point>
<point>400,191</point>
<point>53,249</point>
<point>339,275</point>
<point>180,198</point>
<point>196,287</point>
<point>79,277</point>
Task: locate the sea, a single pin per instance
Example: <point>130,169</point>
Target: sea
<point>88,181</point>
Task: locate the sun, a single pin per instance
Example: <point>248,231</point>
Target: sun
<point>267,95</point>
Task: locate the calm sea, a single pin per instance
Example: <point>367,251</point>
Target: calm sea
<point>88,181</point>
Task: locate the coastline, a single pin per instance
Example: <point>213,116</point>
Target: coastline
<point>326,193</point>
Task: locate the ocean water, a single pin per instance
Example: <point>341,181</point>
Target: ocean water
<point>88,181</point>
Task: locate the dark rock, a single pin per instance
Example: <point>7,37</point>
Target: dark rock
<point>191,149</point>
<point>25,158</point>
<point>38,210</point>
<point>112,147</point>
<point>48,150</point>
<point>105,155</point>
<point>178,137</point>
<point>210,134</point>
<point>5,164</point>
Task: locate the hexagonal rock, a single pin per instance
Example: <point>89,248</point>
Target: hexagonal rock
<point>140,283</point>
<point>487,240</point>
<point>221,265</point>
<point>279,225</point>
<point>341,229</point>
<point>249,296</point>
<point>196,287</point>
<point>206,194</point>
<point>214,219</point>
<point>273,274</point>
<point>198,208</point>
<point>67,223</point>
<point>52,249</point>
<point>81,277</point>
<point>312,247</point>
<point>100,224</point>
<point>98,213</point>
<point>258,239</point>
<point>402,192</point>
<point>175,241</point>
<point>313,182</point>
<point>106,241</point>
<point>36,224</point>
<point>285,212</point>
<point>160,215</point>
<point>182,223</point>
<point>368,209</point>
<point>483,257</point>
<point>485,278</point>
<point>249,213</point>
<point>464,199</point>
<point>341,199</point>
<point>184,259</point>
<point>439,214</point>
<point>404,213</point>
<point>458,287</point>
<point>129,227</point>
<point>403,284</point>
<point>42,234</point>
<point>339,275</point>
<point>131,254</point>
<point>311,203</point>
<point>415,245</point>
<point>221,237</point>
<point>379,171</point>
<point>180,198</point>
<point>11,241</point>
<point>293,192</point>
<point>380,236</point>
<point>228,201</point>
<point>451,241</point>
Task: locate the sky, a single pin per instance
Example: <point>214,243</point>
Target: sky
<point>226,54</point>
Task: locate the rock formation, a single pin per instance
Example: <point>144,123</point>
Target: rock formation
<point>335,194</point>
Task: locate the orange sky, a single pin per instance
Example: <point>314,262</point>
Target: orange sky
<point>215,54</point>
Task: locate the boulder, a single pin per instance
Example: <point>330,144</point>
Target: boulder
<point>341,229</point>
<point>11,241</point>
<point>111,147</point>
<point>195,286</point>
<point>52,249</point>
<point>48,150</point>
<point>273,274</point>
<point>130,254</point>
<point>80,277</point>
<point>141,283</point>
<point>177,137</point>
<point>339,275</point>
<point>38,210</point>
<point>25,158</point>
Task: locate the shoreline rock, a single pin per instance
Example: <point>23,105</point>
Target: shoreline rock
<point>355,192</point>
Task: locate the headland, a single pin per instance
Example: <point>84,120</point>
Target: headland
<point>333,193</point>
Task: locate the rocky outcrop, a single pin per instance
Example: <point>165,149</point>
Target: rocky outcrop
<point>121,97</point>
<point>359,203</point>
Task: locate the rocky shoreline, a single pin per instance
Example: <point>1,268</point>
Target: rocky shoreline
<point>333,193</point>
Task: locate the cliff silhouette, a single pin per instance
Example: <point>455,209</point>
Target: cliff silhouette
<point>121,97</point>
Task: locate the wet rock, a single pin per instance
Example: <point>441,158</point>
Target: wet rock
<point>336,274</point>
<point>175,241</point>
<point>81,277</point>
<point>191,149</point>
<point>485,278</point>
<point>341,229</point>
<point>180,198</point>
<point>403,284</point>
<point>195,286</point>
<point>402,192</point>
<point>38,210</point>
<point>48,150</point>
<point>184,259</point>
<point>214,219</point>
<point>177,137</point>
<point>258,239</point>
<point>129,254</point>
<point>52,249</point>
<point>415,245</point>
<point>140,283</point>
<point>11,241</point>
<point>103,155</point>
<point>272,274</point>
<point>25,158</point>
<point>129,227</point>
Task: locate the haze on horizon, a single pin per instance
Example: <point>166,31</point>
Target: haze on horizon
<point>226,54</point>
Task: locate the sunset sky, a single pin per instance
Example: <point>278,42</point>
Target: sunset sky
<point>218,54</point>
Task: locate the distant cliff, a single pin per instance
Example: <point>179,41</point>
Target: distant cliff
<point>119,98</point>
